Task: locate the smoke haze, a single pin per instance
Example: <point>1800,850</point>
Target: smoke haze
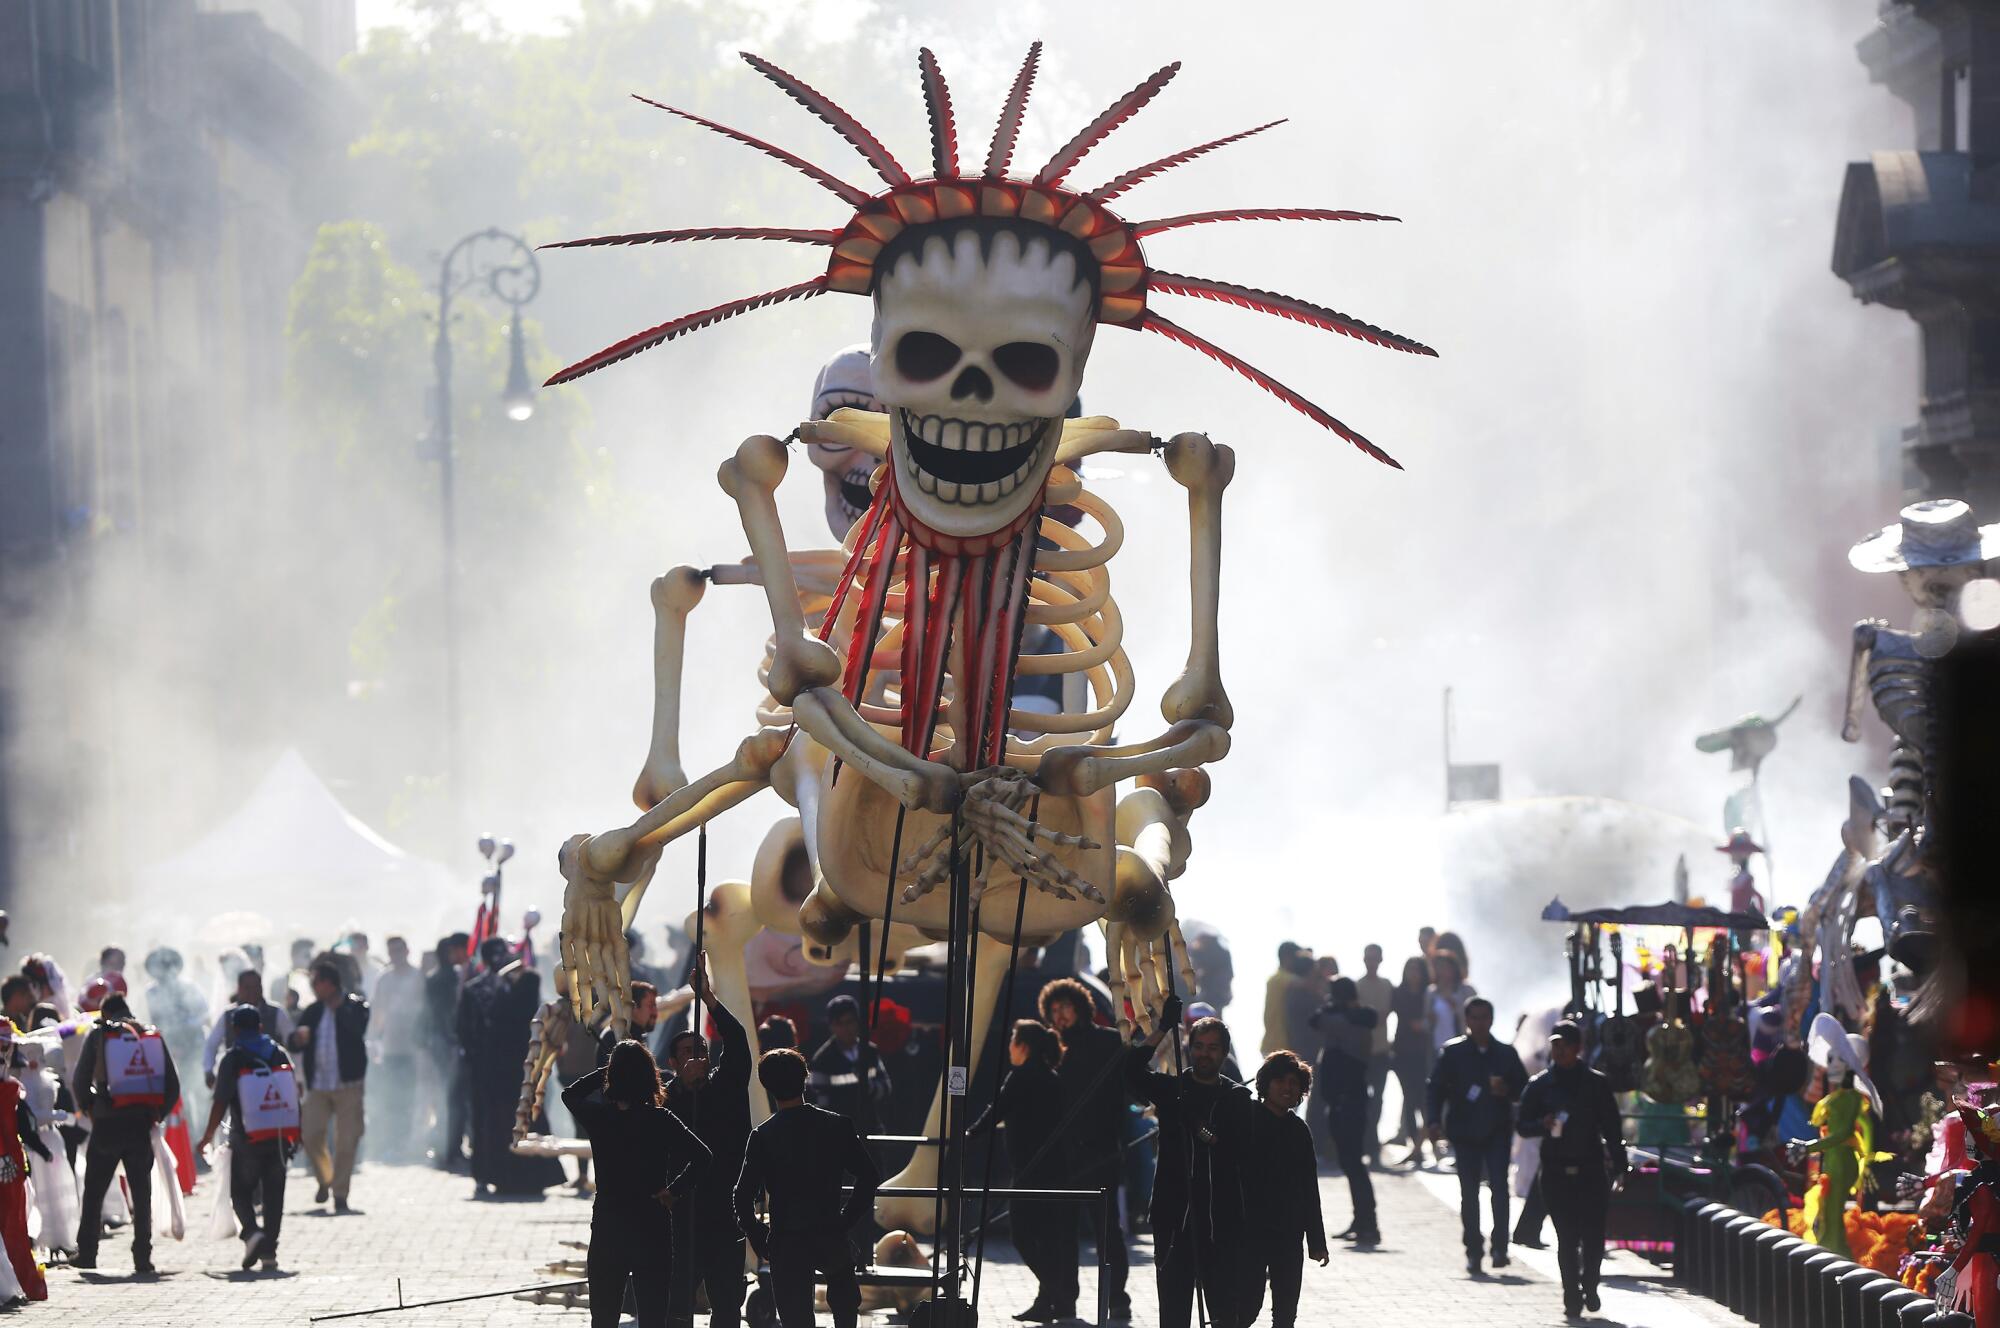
<point>1656,423</point>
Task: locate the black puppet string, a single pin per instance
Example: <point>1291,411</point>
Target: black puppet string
<point>1007,1013</point>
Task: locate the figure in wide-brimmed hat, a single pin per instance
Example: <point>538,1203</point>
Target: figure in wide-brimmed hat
<point>1935,549</point>
<point>1845,1118</point>
<point>1743,896</point>
<point>1748,741</point>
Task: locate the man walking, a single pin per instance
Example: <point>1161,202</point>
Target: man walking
<point>125,1083</point>
<point>441,994</point>
<point>271,1021</point>
<point>1471,1099</point>
<point>711,1096</point>
<point>1199,1210</point>
<point>1376,993</point>
<point>1095,1104</point>
<point>396,1031</point>
<point>798,1157</point>
<point>1348,1031</point>
<point>259,1147</point>
<point>1570,1108</point>
<point>331,1039</point>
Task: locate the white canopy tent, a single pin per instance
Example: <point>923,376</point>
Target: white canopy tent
<point>293,855</point>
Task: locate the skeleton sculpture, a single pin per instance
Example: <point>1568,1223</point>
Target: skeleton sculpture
<point>889,722</point>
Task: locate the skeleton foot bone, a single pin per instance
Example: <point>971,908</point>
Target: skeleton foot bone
<point>991,818</point>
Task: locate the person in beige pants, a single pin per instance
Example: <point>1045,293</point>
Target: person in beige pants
<point>330,1038</point>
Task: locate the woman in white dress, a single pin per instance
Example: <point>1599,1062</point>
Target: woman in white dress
<point>51,1184</point>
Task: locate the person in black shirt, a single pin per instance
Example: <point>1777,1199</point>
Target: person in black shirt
<point>1198,1188</point>
<point>798,1157</point>
<point>1347,1028</point>
<point>1029,1104</point>
<point>1570,1108</point>
<point>256,1167</point>
<point>454,1104</point>
<point>1096,1105</point>
<point>712,1098</point>
<point>848,1076</point>
<point>646,1160</point>
<point>1284,1212</point>
<point>119,1135</point>
<point>1471,1104</point>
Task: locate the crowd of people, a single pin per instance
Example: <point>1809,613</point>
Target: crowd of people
<point>421,1060</point>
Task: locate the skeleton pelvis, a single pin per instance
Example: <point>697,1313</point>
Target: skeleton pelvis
<point>853,833</point>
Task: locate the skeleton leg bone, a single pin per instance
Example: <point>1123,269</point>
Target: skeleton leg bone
<point>1204,470</point>
<point>910,1212</point>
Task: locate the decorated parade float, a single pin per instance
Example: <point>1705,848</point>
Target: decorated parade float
<point>931,805</point>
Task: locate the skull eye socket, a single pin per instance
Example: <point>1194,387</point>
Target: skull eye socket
<point>1028,364</point>
<point>924,356</point>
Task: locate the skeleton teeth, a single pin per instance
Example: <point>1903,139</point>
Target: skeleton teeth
<point>948,490</point>
<point>952,436</point>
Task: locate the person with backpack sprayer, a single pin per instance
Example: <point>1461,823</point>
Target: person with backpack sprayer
<point>255,1085</point>
<point>126,1084</point>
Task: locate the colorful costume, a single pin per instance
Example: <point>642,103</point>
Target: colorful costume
<point>1845,1118</point>
<point>17,1126</point>
<point>1972,1286</point>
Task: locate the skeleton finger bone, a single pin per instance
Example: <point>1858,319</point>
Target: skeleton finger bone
<point>1204,470</point>
<point>674,597</point>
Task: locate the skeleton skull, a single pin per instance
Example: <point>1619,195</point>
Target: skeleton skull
<point>846,380</point>
<point>981,332</point>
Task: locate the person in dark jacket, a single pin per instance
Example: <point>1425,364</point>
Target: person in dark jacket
<point>256,1167</point>
<point>496,1016</point>
<point>647,1160</point>
<point>1570,1108</point>
<point>1347,1030</point>
<point>847,1073</point>
<point>441,992</point>
<point>639,1024</point>
<point>1096,1105</point>
<point>1471,1098</point>
<point>331,1037</point>
<point>1029,1104</point>
<point>120,1134</point>
<point>798,1157</point>
<point>1284,1212</point>
<point>711,1095</point>
<point>1199,1185</point>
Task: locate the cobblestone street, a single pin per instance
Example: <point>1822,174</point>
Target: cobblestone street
<point>422,1227</point>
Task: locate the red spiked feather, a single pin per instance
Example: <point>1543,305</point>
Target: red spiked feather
<point>667,331</point>
<point>843,124</point>
<point>1114,115</point>
<point>1175,332</point>
<point>1284,306</point>
<point>1105,193</point>
<point>944,129</point>
<point>847,193</point>
<point>1001,154</point>
<point>703,233</point>
<point>1144,228</point>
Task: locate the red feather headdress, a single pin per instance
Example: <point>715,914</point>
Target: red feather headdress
<point>978,590</point>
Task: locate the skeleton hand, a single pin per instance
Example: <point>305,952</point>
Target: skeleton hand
<point>593,929</point>
<point>992,819</point>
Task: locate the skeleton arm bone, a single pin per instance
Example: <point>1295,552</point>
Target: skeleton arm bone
<point>674,596</point>
<point>1081,771</point>
<point>1857,678</point>
<point>1204,470</point>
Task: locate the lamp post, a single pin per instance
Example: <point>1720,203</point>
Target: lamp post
<point>505,265</point>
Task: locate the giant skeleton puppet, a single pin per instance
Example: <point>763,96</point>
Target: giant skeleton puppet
<point>893,664</point>
<point>1935,549</point>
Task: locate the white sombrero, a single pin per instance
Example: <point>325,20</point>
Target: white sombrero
<point>1829,1042</point>
<point>1939,532</point>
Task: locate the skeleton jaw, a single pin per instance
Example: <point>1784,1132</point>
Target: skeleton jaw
<point>969,477</point>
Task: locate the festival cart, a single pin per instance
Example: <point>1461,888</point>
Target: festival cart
<point>1659,1041</point>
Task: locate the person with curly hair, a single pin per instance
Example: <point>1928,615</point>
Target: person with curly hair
<point>646,1160</point>
<point>1095,1102</point>
<point>1286,1225</point>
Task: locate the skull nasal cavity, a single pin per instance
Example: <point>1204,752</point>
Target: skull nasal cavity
<point>972,382</point>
